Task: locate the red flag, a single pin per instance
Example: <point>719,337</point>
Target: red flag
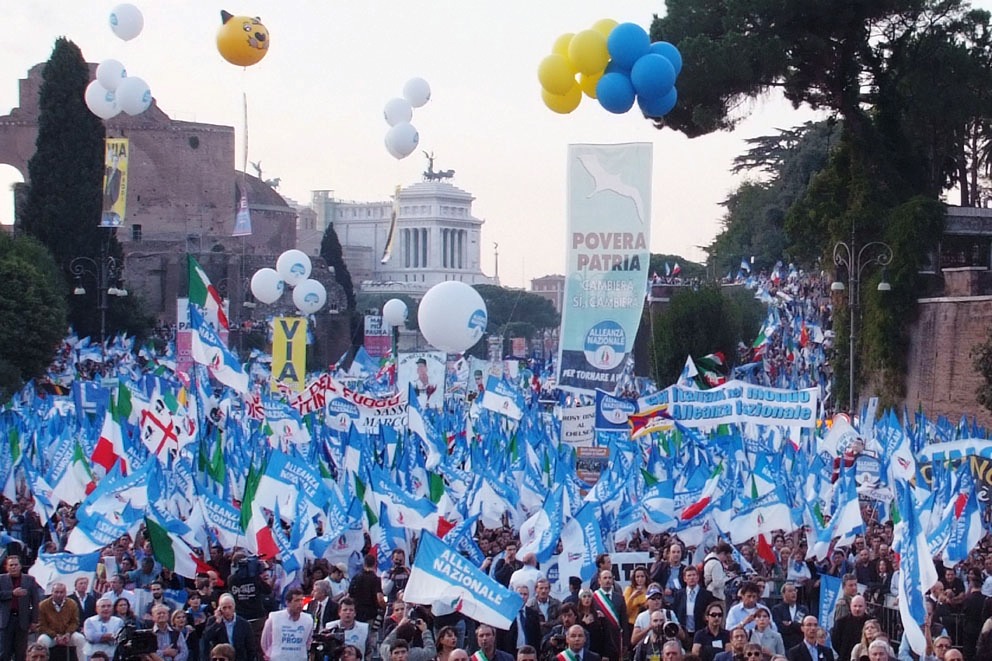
<point>765,551</point>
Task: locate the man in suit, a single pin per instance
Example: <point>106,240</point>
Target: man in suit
<point>692,601</point>
<point>18,610</point>
<point>229,627</point>
<point>609,601</point>
<point>808,650</point>
<point>788,616</point>
<point>85,600</point>
<point>323,609</point>
<point>525,629</point>
<point>485,637</point>
<point>576,641</point>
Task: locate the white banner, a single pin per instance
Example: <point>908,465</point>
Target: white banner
<point>578,426</point>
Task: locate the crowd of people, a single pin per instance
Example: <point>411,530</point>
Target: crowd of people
<point>739,603</point>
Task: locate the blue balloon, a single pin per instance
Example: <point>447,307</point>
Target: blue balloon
<point>658,106</point>
<point>653,76</point>
<point>669,52</point>
<point>627,43</point>
<point>615,92</point>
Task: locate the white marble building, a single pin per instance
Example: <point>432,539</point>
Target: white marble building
<point>437,238</point>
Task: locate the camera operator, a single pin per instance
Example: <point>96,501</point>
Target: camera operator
<point>395,578</point>
<point>355,633</point>
<point>554,642</point>
<point>248,588</point>
<point>287,633</point>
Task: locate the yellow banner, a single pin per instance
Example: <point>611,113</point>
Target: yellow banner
<point>289,353</point>
<point>114,182</point>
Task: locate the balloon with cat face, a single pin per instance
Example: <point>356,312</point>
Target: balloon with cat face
<point>242,40</point>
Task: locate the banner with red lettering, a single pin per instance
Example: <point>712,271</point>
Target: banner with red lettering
<point>344,406</point>
<point>607,257</point>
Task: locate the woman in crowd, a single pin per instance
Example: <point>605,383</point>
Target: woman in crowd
<point>122,609</point>
<point>589,618</point>
<point>636,594</point>
<point>180,623</point>
<point>869,632</point>
<point>447,640</point>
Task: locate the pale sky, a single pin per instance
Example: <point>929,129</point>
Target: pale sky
<point>315,105</point>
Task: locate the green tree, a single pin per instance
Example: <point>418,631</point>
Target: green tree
<point>331,252</point>
<point>754,225</point>
<point>897,75</point>
<point>701,322</point>
<point>32,311</point>
<point>689,268</point>
<point>516,305</point>
<point>65,179</point>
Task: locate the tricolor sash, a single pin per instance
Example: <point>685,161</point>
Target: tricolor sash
<point>567,655</point>
<point>480,656</point>
<point>605,603</point>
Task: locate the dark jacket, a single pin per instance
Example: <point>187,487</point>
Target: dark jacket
<point>800,653</point>
<point>507,640</point>
<point>27,606</point>
<point>703,600</point>
<point>791,629</point>
<point>244,639</point>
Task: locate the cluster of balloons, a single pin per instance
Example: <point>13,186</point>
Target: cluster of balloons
<point>292,270</point>
<point>452,316</point>
<point>402,138</point>
<point>113,90</point>
<point>614,63</point>
<point>242,40</point>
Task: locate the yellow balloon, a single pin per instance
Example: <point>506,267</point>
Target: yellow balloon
<point>604,26</point>
<point>561,44</point>
<point>555,74</point>
<point>563,103</point>
<point>588,83</point>
<point>588,53</point>
<point>242,40</point>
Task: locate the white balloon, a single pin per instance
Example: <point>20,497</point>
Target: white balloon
<point>126,21</point>
<point>417,92</point>
<point>266,285</point>
<point>452,316</point>
<point>133,95</point>
<point>397,111</point>
<point>401,140</point>
<point>309,296</point>
<point>110,73</point>
<point>101,101</point>
<point>394,312</point>
<point>293,267</point>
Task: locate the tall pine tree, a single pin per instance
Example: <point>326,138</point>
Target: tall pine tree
<point>65,180</point>
<point>331,252</point>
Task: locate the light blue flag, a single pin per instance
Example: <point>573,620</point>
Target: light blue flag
<point>223,520</point>
<point>64,568</point>
<point>440,574</point>
<point>829,591</point>
<point>581,541</point>
<point>539,534</point>
<point>917,573</point>
<point>208,349</point>
<point>387,538</point>
<point>461,539</point>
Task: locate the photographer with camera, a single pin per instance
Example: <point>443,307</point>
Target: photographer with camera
<point>247,587</point>
<point>355,633</point>
<point>649,649</point>
<point>408,630</point>
<point>287,633</point>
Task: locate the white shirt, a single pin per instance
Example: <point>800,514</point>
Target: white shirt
<point>284,639</point>
<point>357,635</point>
<point>526,575</point>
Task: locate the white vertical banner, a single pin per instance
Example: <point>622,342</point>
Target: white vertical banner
<point>607,257</point>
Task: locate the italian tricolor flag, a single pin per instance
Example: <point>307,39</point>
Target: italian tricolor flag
<point>203,294</point>
<point>172,551</point>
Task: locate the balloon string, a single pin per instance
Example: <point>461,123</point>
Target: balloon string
<point>244,156</point>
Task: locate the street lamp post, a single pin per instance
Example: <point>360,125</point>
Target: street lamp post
<point>856,261</point>
<point>106,272</point>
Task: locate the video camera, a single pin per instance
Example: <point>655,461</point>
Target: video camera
<point>670,631</point>
<point>327,644</point>
<point>134,643</point>
<point>248,567</point>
